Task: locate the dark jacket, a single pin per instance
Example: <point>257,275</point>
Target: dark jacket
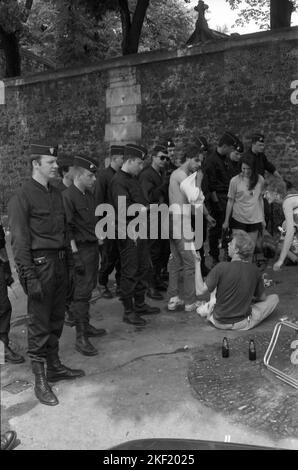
<point>261,163</point>
<point>127,186</point>
<point>80,214</point>
<point>154,185</point>
<point>103,181</point>
<point>218,173</point>
<point>37,222</point>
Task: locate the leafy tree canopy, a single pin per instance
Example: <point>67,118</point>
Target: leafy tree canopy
<point>257,11</point>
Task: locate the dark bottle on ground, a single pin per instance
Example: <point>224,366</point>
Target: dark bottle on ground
<point>225,351</point>
<point>252,354</point>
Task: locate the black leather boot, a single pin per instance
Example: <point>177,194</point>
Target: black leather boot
<point>92,331</point>
<point>153,293</point>
<point>145,309</point>
<point>83,344</point>
<point>130,316</point>
<point>106,293</point>
<point>12,357</point>
<point>42,389</point>
<point>160,284</point>
<point>57,371</point>
<point>69,318</point>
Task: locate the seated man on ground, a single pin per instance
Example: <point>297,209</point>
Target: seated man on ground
<point>241,302</point>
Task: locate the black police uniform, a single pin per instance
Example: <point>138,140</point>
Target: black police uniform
<point>219,175</point>
<point>110,256</point>
<point>155,189</point>
<point>38,238</point>
<point>261,163</point>
<point>134,254</point>
<point>80,214</point>
<point>41,251</point>
<point>70,286</point>
<point>5,305</point>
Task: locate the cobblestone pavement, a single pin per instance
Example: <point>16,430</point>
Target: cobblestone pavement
<point>246,390</point>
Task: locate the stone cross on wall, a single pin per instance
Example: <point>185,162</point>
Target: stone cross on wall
<point>202,32</point>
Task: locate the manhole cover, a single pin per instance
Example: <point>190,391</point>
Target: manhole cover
<point>245,389</point>
<point>17,386</point>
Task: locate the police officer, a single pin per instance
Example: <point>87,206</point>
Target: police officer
<point>110,256</point>
<point>79,203</point>
<point>6,280</point>
<point>171,154</point>
<point>39,242</point>
<point>65,171</point>
<point>219,174</point>
<point>261,161</point>
<point>155,187</point>
<point>134,253</point>
<point>234,159</point>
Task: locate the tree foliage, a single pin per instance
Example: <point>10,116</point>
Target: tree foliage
<point>13,17</point>
<point>78,32</point>
<point>257,11</point>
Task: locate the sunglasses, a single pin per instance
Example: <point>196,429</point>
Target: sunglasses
<point>163,157</point>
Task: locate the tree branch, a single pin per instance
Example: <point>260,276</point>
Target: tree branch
<point>126,23</point>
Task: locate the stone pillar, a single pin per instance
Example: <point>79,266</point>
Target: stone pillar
<point>2,92</point>
<point>123,95</point>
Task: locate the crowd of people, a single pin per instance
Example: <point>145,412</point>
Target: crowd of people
<point>147,217</point>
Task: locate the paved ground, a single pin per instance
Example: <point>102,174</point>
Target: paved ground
<point>165,380</point>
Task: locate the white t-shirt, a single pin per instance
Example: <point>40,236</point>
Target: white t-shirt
<point>248,205</point>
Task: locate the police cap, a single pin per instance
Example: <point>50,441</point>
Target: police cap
<point>135,151</point>
<point>85,162</point>
<point>257,138</point>
<point>160,148</point>
<point>117,150</point>
<point>43,148</point>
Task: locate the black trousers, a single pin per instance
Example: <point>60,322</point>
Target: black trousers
<point>201,250</point>
<point>85,283</point>
<point>135,264</point>
<point>5,308</point>
<point>218,212</point>
<point>165,254</point>
<point>46,317</point>
<point>110,260</point>
<point>155,249</point>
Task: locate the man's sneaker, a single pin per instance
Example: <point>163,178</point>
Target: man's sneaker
<point>193,307</point>
<point>175,304</point>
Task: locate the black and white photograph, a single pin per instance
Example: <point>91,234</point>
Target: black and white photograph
<point>148,228</point>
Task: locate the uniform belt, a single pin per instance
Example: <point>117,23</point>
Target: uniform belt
<point>87,243</point>
<point>49,253</point>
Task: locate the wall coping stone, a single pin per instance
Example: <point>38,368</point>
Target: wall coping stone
<point>210,47</point>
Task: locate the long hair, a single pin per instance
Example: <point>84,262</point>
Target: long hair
<point>254,177</point>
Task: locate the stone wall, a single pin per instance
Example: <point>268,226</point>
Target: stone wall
<point>243,84</point>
